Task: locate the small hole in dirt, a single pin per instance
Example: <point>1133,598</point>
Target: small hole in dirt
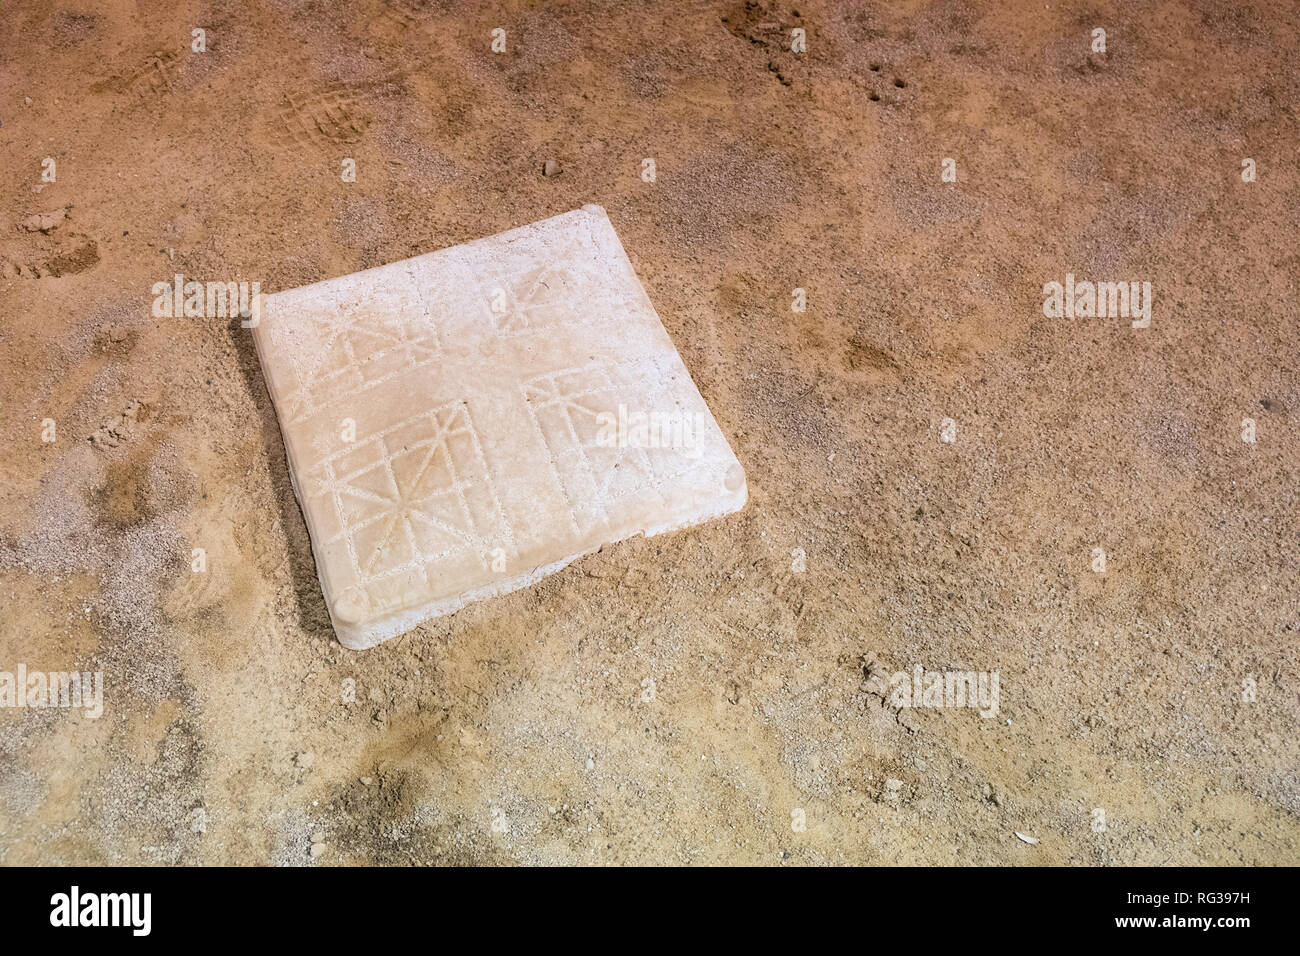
<point>873,96</point>
<point>875,68</point>
<point>898,82</point>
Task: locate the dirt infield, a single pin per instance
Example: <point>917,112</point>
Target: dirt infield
<point>943,478</point>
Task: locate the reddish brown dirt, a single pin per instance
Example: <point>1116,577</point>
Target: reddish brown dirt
<point>227,735</point>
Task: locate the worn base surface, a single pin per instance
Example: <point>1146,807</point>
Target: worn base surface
<point>462,423</point>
